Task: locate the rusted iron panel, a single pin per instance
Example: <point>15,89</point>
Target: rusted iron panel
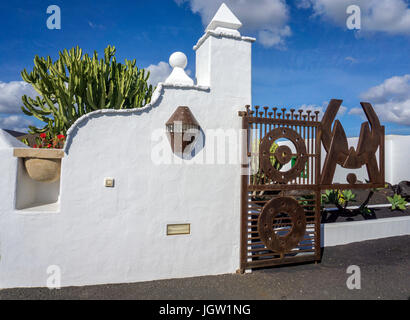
<point>280,208</point>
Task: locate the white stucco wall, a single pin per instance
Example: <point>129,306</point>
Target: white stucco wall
<point>397,158</point>
<point>109,235</point>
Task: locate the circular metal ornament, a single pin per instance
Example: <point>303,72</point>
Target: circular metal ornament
<point>283,155</point>
<point>351,178</point>
<point>282,224</point>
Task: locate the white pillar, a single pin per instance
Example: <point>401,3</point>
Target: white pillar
<point>223,57</point>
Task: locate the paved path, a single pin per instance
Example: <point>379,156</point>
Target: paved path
<point>384,264</point>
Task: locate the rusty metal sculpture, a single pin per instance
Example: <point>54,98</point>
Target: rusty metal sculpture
<point>280,209</point>
<point>338,152</point>
<point>282,224</point>
<point>283,155</point>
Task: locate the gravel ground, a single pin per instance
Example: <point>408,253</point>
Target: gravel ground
<point>384,265</point>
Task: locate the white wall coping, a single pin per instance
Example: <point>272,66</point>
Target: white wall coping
<point>221,34</point>
<point>340,233</point>
<point>392,136</point>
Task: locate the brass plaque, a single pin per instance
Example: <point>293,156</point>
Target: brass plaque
<point>176,229</point>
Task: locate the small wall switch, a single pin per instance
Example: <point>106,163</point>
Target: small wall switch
<point>109,182</point>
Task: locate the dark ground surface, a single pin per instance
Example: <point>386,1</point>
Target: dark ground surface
<point>379,196</point>
<point>384,265</point>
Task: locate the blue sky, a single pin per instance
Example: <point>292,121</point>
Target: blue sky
<point>308,58</point>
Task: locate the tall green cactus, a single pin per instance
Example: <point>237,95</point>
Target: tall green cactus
<point>75,85</point>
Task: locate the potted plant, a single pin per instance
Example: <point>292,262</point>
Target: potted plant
<point>43,162</point>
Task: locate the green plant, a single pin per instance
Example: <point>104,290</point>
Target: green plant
<point>340,198</point>
<point>346,196</point>
<point>305,172</point>
<point>76,84</point>
<point>365,211</point>
<point>330,197</point>
<point>275,163</point>
<point>46,140</point>
<point>307,200</point>
<point>258,177</point>
<point>397,202</point>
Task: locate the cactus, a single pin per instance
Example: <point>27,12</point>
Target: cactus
<point>74,85</point>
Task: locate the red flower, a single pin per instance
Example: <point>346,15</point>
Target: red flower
<point>43,135</point>
<point>60,137</point>
<point>35,146</point>
<point>49,145</point>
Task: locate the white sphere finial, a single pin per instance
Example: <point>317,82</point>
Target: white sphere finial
<point>178,60</point>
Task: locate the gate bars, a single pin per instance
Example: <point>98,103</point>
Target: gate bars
<point>281,192</point>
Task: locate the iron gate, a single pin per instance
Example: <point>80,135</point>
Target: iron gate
<point>282,180</point>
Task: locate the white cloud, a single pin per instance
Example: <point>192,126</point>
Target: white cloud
<point>11,93</point>
<point>95,26</point>
<point>391,100</point>
<point>15,122</point>
<point>322,108</point>
<point>158,72</point>
<point>303,4</point>
<point>356,111</point>
<point>313,108</point>
<point>274,38</point>
<point>351,59</point>
<point>392,89</point>
<point>391,16</point>
<point>268,18</point>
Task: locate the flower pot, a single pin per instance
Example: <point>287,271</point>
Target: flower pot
<point>42,165</point>
<point>43,170</point>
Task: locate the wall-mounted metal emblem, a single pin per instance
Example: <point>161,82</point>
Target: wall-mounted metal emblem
<point>182,129</point>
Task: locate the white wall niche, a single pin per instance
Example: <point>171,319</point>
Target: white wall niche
<point>33,196</point>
